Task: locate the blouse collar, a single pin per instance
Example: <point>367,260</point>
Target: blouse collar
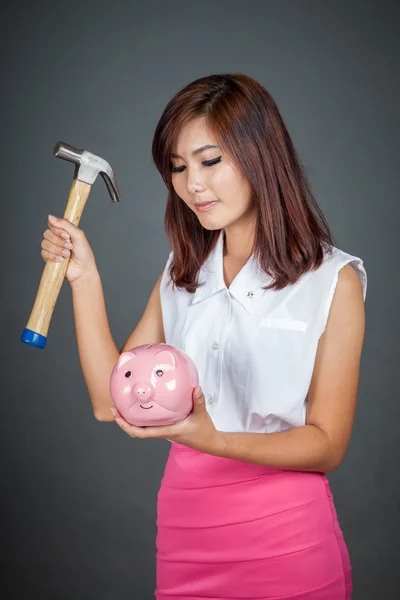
<point>246,288</point>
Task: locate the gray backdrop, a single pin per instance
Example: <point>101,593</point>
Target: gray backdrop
<point>79,496</point>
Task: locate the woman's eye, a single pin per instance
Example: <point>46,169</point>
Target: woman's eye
<point>210,163</point>
<point>206,163</point>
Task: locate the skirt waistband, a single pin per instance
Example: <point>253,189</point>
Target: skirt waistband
<point>188,468</point>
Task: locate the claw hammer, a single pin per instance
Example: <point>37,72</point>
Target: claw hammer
<point>87,167</point>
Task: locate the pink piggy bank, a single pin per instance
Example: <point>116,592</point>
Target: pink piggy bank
<point>153,385</point>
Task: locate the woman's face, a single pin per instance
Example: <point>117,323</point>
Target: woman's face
<point>209,176</point>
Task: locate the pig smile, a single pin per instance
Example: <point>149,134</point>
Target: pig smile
<point>146,407</point>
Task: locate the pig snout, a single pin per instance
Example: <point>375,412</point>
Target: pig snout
<point>143,393</point>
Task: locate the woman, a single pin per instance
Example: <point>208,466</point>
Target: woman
<point>272,313</point>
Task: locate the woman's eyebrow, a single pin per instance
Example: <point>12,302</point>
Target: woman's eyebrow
<point>201,149</point>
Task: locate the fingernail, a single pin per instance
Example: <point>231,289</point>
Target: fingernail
<point>52,218</point>
<point>113,412</point>
<point>118,422</point>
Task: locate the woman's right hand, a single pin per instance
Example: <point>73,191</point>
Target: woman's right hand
<point>63,239</point>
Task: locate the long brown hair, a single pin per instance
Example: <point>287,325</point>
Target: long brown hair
<point>290,238</point>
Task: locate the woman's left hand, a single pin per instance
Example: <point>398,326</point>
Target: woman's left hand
<point>197,431</point>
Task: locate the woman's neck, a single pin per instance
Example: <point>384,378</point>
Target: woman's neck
<point>238,242</point>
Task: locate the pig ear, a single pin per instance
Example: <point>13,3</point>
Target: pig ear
<point>167,356</point>
<point>125,356</point>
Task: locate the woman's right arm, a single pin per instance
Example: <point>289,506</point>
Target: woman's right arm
<point>98,353</point>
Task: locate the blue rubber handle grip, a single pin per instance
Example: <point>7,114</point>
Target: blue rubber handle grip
<point>33,339</point>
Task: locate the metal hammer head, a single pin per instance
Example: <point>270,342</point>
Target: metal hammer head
<point>88,166</point>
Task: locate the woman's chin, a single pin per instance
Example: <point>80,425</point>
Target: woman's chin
<point>211,224</point>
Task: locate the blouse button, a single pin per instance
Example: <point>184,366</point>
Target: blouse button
<point>210,400</point>
<point>215,346</point>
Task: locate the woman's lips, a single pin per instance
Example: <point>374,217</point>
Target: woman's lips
<point>203,207</point>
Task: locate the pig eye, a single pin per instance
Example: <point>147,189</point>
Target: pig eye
<point>128,373</point>
<point>159,373</point>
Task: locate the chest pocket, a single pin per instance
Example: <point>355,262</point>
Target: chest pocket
<point>279,323</point>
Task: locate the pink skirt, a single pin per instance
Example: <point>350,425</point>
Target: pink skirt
<point>229,529</point>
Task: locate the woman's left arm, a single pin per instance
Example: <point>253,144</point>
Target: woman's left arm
<point>321,444</point>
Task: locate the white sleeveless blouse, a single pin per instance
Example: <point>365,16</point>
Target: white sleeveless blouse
<point>254,349</point>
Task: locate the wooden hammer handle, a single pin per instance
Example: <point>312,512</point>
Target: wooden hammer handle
<point>35,333</point>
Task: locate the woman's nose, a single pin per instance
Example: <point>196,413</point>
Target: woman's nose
<point>194,184</point>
